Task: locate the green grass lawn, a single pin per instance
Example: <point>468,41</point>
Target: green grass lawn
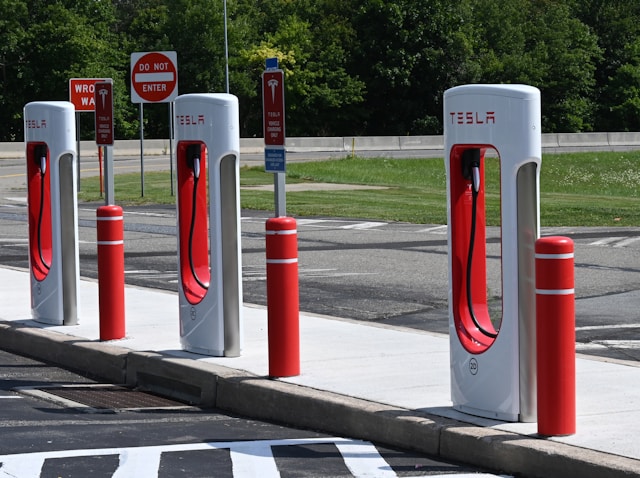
<point>578,189</point>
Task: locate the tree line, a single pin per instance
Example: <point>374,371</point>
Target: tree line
<point>358,67</point>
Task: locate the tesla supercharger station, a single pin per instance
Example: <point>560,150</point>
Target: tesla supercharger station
<point>492,367</point>
<point>49,131</point>
<point>210,272</point>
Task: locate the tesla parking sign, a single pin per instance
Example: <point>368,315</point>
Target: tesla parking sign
<point>104,113</point>
<point>273,107</point>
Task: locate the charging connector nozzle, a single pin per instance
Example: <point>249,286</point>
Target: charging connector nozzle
<point>196,167</point>
<point>475,168</point>
<point>193,159</point>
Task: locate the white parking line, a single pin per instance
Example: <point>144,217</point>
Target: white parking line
<point>627,242</point>
<point>605,241</point>
<point>606,327</point>
<point>364,225</point>
<point>435,230</point>
<point>616,344</point>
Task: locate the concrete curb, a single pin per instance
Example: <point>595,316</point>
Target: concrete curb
<point>96,359</point>
<point>532,457</point>
<point>211,385</point>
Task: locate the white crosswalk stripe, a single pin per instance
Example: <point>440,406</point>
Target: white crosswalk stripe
<point>362,458</point>
<point>616,241</point>
<point>339,224</point>
<point>627,242</point>
<point>363,225</point>
<point>249,458</point>
<point>139,462</point>
<point>435,230</point>
<point>605,241</point>
<point>254,459</point>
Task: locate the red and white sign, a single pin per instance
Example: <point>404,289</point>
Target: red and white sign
<point>81,93</point>
<point>104,113</point>
<point>273,107</point>
<point>154,77</point>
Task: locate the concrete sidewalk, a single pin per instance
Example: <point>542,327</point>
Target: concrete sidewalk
<point>384,384</point>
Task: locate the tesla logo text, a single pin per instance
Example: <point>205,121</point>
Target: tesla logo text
<point>36,124</point>
<point>473,117</point>
<point>190,120</point>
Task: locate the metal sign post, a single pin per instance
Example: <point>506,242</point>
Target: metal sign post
<point>104,132</point>
<point>274,131</point>
<point>154,79</point>
<point>81,94</point>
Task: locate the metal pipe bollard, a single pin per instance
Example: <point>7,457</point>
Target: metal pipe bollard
<point>282,297</point>
<point>111,272</point>
<point>555,336</point>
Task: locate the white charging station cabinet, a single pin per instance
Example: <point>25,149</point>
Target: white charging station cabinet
<point>209,260</point>
<point>493,372</point>
<point>50,140</point>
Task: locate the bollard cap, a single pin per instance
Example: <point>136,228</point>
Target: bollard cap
<point>109,211</point>
<point>282,223</point>
<point>554,245</point>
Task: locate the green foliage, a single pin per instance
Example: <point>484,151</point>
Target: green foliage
<point>616,25</point>
<point>556,52</point>
<point>409,53</point>
<point>371,67</point>
<point>310,40</point>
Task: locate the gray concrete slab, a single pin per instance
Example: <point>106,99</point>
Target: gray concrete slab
<point>384,383</point>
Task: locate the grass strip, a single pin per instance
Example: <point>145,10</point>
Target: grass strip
<point>576,189</point>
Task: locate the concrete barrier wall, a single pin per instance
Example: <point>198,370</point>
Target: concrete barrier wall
<point>306,145</point>
<point>421,142</point>
<point>551,142</point>
<point>582,139</point>
<point>623,139</point>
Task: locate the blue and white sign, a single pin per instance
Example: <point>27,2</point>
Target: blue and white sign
<point>271,63</point>
<point>274,160</point>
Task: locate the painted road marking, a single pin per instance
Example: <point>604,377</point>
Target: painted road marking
<point>605,327</point>
<point>616,344</point>
<point>249,273</point>
<point>605,241</point>
<point>364,225</point>
<point>435,230</point>
<point>248,458</point>
<point>340,224</point>
<point>627,242</point>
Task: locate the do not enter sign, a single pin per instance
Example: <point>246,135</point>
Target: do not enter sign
<point>154,77</point>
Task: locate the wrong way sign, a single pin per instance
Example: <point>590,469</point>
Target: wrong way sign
<point>81,93</point>
<point>154,77</point>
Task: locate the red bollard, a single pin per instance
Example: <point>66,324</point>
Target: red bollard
<point>282,297</point>
<point>556,336</point>
<point>111,272</point>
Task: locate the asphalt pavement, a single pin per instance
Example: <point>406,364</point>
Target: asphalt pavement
<point>379,383</point>
<point>373,380</point>
<point>63,424</point>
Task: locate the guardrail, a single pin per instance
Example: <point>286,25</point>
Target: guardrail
<point>551,142</point>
